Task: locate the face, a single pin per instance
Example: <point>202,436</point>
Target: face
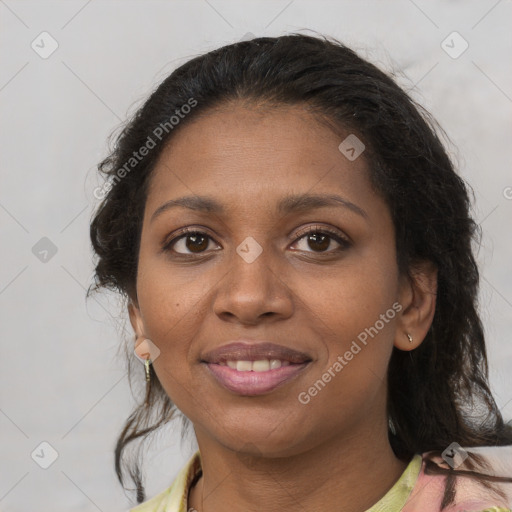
<point>317,279</point>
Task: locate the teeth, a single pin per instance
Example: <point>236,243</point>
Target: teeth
<point>262,365</point>
<point>244,366</point>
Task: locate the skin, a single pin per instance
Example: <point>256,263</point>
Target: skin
<point>271,452</point>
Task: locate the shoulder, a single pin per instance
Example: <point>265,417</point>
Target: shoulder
<point>470,494</point>
<point>175,497</point>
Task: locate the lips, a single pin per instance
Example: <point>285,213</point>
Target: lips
<point>250,383</point>
<point>247,350</point>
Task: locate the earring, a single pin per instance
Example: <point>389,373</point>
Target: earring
<point>142,350</point>
<point>410,337</point>
<point>147,362</point>
<point>391,426</point>
<point>148,374</point>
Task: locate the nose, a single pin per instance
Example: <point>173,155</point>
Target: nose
<point>253,291</point>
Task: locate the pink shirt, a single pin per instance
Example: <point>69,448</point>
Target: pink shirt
<point>470,495</point>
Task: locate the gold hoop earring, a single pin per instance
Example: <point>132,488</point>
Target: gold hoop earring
<point>410,337</point>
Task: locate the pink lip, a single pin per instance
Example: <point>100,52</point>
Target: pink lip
<point>254,383</point>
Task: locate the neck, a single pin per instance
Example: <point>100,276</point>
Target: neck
<point>349,474</point>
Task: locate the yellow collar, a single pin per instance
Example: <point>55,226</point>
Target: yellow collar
<point>175,498</point>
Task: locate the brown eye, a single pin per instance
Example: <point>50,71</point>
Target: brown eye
<point>190,242</point>
<point>319,240</point>
<point>196,243</point>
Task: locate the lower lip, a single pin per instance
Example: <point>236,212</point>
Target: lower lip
<point>254,383</point>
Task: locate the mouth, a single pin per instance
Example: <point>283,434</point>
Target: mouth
<point>252,378</point>
<point>254,367</point>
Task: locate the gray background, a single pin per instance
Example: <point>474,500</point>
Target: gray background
<point>61,379</point>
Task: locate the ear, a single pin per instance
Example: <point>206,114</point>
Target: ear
<point>418,299</point>
<point>142,347</point>
<point>136,319</point>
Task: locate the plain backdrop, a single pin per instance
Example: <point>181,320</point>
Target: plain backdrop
<point>61,380</point>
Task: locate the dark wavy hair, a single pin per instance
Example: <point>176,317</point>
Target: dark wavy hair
<point>435,390</point>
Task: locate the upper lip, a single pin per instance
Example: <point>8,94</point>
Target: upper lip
<point>249,350</point>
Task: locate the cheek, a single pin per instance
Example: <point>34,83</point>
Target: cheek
<point>170,295</point>
<point>171,304</point>
<point>354,314</point>
<point>356,326</point>
<point>356,292</point>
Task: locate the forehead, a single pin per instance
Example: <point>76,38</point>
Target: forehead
<point>251,154</point>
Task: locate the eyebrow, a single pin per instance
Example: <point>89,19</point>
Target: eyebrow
<point>289,204</point>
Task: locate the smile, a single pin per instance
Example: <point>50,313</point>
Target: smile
<point>252,378</point>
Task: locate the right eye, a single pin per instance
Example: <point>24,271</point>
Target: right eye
<point>189,239</point>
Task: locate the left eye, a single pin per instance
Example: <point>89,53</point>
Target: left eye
<point>320,240</point>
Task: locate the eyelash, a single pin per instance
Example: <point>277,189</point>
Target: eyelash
<point>344,242</point>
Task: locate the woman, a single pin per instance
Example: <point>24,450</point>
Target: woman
<point>294,245</point>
